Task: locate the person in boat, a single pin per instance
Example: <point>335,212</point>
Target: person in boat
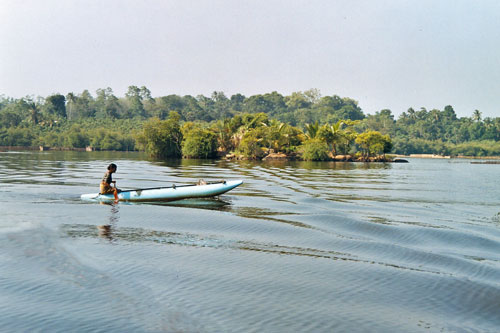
<point>107,180</point>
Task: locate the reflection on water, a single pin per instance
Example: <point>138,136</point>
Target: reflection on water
<point>106,230</point>
<point>214,203</point>
<point>218,204</point>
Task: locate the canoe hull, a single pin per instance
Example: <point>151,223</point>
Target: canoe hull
<point>168,193</point>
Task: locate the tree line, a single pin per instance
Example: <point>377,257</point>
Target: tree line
<point>302,123</point>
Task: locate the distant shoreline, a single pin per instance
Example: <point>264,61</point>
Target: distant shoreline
<point>42,148</point>
<point>33,148</point>
<point>434,156</point>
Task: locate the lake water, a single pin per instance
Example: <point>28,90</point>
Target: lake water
<point>299,247</point>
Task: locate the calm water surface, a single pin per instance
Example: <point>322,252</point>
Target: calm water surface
<point>299,247</point>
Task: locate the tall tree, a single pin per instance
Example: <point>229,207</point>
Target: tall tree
<point>312,130</point>
<point>221,105</point>
<point>56,105</point>
<point>333,135</point>
<point>134,98</point>
<point>107,104</point>
<point>237,101</point>
<point>298,100</point>
<point>373,143</point>
<point>162,138</point>
<point>71,106</point>
<point>476,116</point>
<point>34,112</point>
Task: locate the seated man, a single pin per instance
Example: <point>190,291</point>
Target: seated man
<point>107,180</point>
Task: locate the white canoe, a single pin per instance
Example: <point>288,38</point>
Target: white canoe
<point>172,193</point>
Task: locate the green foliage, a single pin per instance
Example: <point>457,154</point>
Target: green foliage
<point>383,122</point>
<point>107,139</point>
<point>51,139</point>
<point>283,138</point>
<point>224,132</point>
<point>162,138</point>
<point>80,106</point>
<point>109,142</point>
<point>314,150</point>
<point>135,97</point>
<point>311,130</point>
<point>56,105</point>
<point>275,121</point>
<point>252,144</point>
<point>107,105</point>
<point>17,137</point>
<point>199,143</point>
<point>478,148</point>
<point>333,135</point>
<point>373,143</point>
<point>169,103</point>
<point>419,146</point>
<point>472,148</point>
<point>77,139</point>
<point>11,116</point>
<point>272,104</point>
<point>338,136</point>
<point>331,109</point>
<point>444,126</point>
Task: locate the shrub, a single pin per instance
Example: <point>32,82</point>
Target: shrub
<point>77,140</point>
<point>252,144</point>
<point>199,143</point>
<point>18,137</point>
<point>315,150</point>
<point>51,139</point>
<point>373,143</point>
<point>162,138</point>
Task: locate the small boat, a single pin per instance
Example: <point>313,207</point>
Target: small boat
<point>174,192</point>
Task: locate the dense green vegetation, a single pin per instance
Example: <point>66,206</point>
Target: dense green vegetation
<point>304,124</point>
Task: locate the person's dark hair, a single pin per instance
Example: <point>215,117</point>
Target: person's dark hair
<point>111,166</point>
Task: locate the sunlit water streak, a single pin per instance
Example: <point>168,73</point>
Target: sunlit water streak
<point>299,247</point>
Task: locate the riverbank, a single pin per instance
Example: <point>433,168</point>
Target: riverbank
<point>44,148</point>
<point>434,156</point>
<point>41,148</point>
<point>296,157</point>
<point>276,156</point>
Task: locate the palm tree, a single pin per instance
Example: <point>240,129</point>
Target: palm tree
<point>34,113</point>
<point>71,98</point>
<point>312,130</point>
<point>224,134</point>
<point>333,135</point>
<point>278,135</point>
<point>412,114</point>
<point>275,134</point>
<point>238,136</point>
<point>476,116</point>
<point>436,114</point>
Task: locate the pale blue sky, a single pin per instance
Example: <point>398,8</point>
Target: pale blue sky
<point>391,54</point>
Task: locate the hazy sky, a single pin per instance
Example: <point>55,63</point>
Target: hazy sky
<point>385,54</point>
